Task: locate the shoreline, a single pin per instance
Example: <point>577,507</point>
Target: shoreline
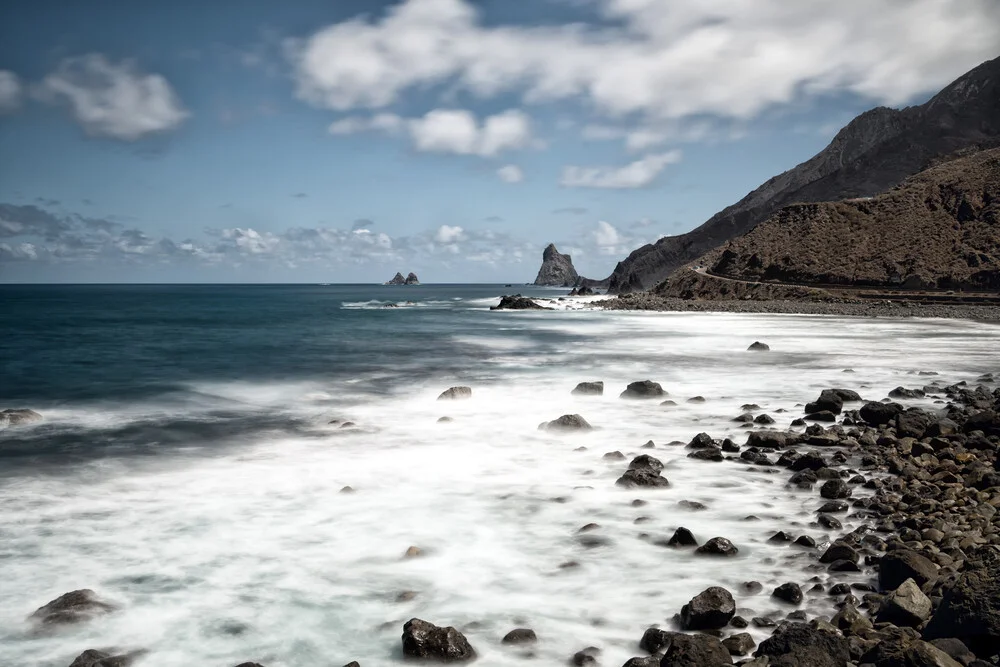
<point>642,301</point>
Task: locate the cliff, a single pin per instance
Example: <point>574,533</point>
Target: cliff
<point>874,152</point>
<point>557,269</point>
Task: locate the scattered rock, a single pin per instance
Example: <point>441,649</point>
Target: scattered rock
<point>455,393</point>
<point>589,389</point>
<point>758,346</point>
<point>566,423</point>
<point>520,636</point>
<point>879,414</point>
<point>829,401</point>
<point>902,564</point>
<point>906,606</point>
<point>695,651</point>
<point>682,537</point>
<point>970,609</point>
<point>643,389</point>
<point>739,644</point>
<point>789,592</point>
<point>709,610</point>
<point>718,546</point>
<point>72,607</point>
<point>799,645</point>
<point>427,641</point>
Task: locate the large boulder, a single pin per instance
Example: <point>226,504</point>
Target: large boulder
<point>799,645</point>
<point>517,302</point>
<point>643,389</point>
<point>566,423</point>
<point>711,609</point>
<point>758,346</point>
<point>642,477</point>
<point>879,414</point>
<point>904,652</point>
<point>72,607</point>
<point>18,416</point>
<point>907,606</point>
<point>655,640</point>
<point>646,462</point>
<point>829,401</point>
<point>95,658</point>
<point>986,421</point>
<point>902,564</point>
<point>718,546</point>
<point>970,609</point>
<point>455,393</point>
<point>695,651</point>
<point>589,389</point>
<point>427,641</point>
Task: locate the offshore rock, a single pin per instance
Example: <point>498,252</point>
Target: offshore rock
<point>557,269</point>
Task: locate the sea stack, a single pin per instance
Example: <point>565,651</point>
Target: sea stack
<point>557,269</point>
<point>411,279</point>
<point>398,279</point>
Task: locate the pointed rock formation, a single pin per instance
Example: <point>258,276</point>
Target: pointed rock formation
<point>557,269</point>
<point>411,279</point>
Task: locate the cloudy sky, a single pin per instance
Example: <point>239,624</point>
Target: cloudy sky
<point>345,140</point>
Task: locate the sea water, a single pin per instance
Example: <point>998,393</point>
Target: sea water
<point>187,468</point>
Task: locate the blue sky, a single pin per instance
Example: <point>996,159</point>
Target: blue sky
<point>342,141</point>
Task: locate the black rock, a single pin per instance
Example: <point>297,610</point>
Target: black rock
<point>828,401</point>
<point>902,392</point>
<point>589,389</point>
<point>758,346</point>
<point>695,651</point>
<point>710,454</point>
<point>763,419</point>
<point>834,489</point>
<point>829,522</point>
<point>879,414</point>
<point>682,537</point>
<point>821,416</point>
<point>799,645</point>
<point>427,641</point>
<point>701,441</point>
<point>780,536</point>
<point>833,506</point>
<point>566,423</point>
<point>94,658</point>
<point>739,644</point>
<point>520,636</point>
<point>839,551</point>
<point>646,462</point>
<point>805,541</point>
<point>517,302</point>
<point>642,477</point>
<point>970,610</point>
<point>643,389</point>
<point>788,592</point>
<point>655,640</point>
<point>900,565</point>
<point>72,607</point>
<point>709,610</point>
<point>718,546</point>
<point>587,656</point>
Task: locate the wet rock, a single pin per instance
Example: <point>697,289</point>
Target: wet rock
<point>695,651</point>
<point>566,423</point>
<point>987,421</point>
<point>643,389</point>
<point>829,522</point>
<point>744,418</point>
<point>799,645</point>
<point>788,592</point>
<point>955,649</point>
<point>427,641</point>
<point>758,346</point>
<point>701,441</point>
<point>18,416</point>
<point>879,414</point>
<point>589,389</point>
<point>902,651</point>
<point>850,621</point>
<point>646,462</point>
<point>520,636</point>
<point>739,644</point>
<point>642,477</point>
<point>709,610</point>
<point>413,552</point>
<point>647,661</point>
<point>692,505</point>
<point>822,416</point>
<point>614,456</point>
<point>903,392</point>
<point>95,658</point>
<point>455,393</point>
<point>73,607</point>
<point>970,609</point>
<point>587,656</point>
<point>808,461</point>
<point>835,488</point>
<point>839,551</point>
<point>765,419</point>
<point>696,399</point>
<point>780,536</point>
<point>710,454</point>
<point>828,401</point>
<point>900,565</point>
<point>906,606</point>
<point>805,541</point>
<point>517,302</point>
<point>833,506</point>
<point>718,546</point>
<point>655,640</point>
<point>752,587</point>
<point>682,537</point>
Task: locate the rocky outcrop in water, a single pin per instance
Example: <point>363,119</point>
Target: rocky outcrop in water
<point>874,152</point>
<point>398,279</point>
<point>73,607</point>
<point>423,640</point>
<point>16,417</point>
<point>557,269</point>
<point>517,302</point>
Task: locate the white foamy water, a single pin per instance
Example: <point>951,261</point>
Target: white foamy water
<point>248,550</point>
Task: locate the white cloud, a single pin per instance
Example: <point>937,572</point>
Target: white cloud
<point>643,139</point>
<point>510,173</point>
<point>457,131</point>
<point>381,122</point>
<point>662,59</point>
<point>637,174</point>
<point>10,91</point>
<point>113,100</point>
<point>447,234</point>
<point>601,132</point>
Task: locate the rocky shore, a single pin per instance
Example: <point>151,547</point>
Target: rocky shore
<point>853,308</point>
<point>916,582</point>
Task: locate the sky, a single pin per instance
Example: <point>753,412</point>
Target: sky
<point>345,140</point>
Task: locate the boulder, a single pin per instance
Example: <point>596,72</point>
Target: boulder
<point>898,566</point>
<point>682,537</point>
<point>643,389</point>
<point>695,651</point>
<point>828,401</point>
<point>709,610</point>
<point>902,651</point>
<point>788,592</point>
<point>821,416</point>
<point>646,462</point>
<point>839,551</point>
<point>517,302</point>
<point>834,489</point>
<point>455,393</point>
<point>955,649</point>
<point>758,346</point>
<point>72,607</point>
<point>847,395</point>
<point>589,389</point>
<point>986,421</point>
<point>879,414</point>
<point>647,661</point>
<point>566,423</point>
<point>425,640</point>
<point>739,644</point>
<point>903,392</point>
<point>701,441</point>
<point>799,645</point>
<point>520,636</point>
<point>642,477</point>
<point>95,658</point>
<point>970,609</point>
<point>18,416</point>
<point>907,606</point>
<point>718,546</point>
<point>655,640</point>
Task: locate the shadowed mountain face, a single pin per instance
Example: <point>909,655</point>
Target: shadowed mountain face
<point>874,152</point>
<point>557,269</point>
<point>938,229</point>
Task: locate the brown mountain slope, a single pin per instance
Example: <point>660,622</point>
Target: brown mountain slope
<point>939,229</point>
<point>874,152</point>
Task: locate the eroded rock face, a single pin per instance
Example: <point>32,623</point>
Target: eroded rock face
<point>73,607</point>
<point>427,641</point>
<point>557,269</point>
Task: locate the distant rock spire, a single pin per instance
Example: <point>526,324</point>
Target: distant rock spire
<point>557,269</point>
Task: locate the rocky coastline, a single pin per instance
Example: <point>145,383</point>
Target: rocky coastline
<point>915,584</point>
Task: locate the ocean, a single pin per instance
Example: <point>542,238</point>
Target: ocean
<point>192,456</point>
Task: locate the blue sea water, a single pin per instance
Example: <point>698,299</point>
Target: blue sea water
<point>192,452</point>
